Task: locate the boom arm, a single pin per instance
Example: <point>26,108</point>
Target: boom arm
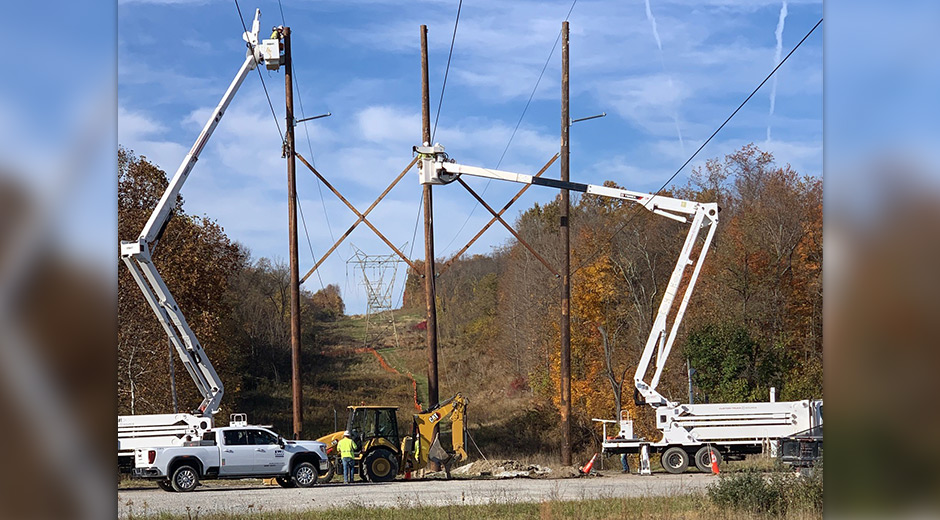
<point>137,254</point>
<point>436,168</point>
<point>456,409</point>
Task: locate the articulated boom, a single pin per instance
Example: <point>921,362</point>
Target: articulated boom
<point>437,168</point>
<point>137,254</point>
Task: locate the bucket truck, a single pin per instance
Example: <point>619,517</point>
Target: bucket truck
<point>144,431</point>
<point>690,432</point>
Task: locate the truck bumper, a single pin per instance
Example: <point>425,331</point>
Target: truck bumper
<point>146,473</point>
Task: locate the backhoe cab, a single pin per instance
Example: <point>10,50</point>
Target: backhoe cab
<point>384,452</point>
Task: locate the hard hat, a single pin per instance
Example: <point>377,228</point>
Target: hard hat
<point>347,433</point>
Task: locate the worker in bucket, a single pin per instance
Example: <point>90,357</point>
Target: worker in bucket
<point>347,449</point>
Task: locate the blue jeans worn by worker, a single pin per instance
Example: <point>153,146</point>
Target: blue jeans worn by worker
<point>624,463</point>
<point>349,465</point>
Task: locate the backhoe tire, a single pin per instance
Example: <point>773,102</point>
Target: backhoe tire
<point>285,482</point>
<point>305,475</point>
<point>165,485</point>
<point>330,470</point>
<point>380,466</point>
<point>675,460</point>
<point>185,478</point>
<point>703,460</point>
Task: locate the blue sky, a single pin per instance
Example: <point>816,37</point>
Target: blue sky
<point>360,61</point>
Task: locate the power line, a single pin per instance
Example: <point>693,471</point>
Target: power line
<point>265,87</point>
<point>303,115</point>
<point>446,70</point>
<point>739,107</point>
<point>518,123</point>
<point>309,244</point>
<point>673,176</point>
<point>411,252</point>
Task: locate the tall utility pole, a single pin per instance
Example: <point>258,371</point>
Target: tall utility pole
<point>566,262</point>
<point>429,291</point>
<point>292,226</point>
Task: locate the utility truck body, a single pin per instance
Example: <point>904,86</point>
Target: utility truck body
<point>692,432</point>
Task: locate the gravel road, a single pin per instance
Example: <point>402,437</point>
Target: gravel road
<point>234,497</point>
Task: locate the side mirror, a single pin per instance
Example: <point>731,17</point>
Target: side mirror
<point>281,442</point>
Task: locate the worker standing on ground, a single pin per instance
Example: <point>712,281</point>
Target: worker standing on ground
<point>347,448</point>
<point>624,463</point>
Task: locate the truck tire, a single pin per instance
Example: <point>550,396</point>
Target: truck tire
<point>305,475</point>
<point>675,460</point>
<point>380,466</point>
<point>165,485</point>
<point>185,478</point>
<point>703,460</point>
<point>285,482</point>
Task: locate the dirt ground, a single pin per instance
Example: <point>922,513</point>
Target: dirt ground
<point>251,496</point>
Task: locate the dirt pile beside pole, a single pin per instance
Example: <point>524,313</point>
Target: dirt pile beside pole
<point>511,469</point>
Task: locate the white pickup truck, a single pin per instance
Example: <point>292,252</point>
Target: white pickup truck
<point>231,452</point>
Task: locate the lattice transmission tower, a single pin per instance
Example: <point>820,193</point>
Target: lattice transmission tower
<point>378,277</point>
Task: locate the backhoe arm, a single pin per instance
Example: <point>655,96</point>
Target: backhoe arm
<point>456,409</point>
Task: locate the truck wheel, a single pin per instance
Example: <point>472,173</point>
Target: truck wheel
<point>305,475</point>
<point>380,466</point>
<point>703,460</point>
<point>165,485</point>
<point>185,478</point>
<point>285,482</point>
<point>675,460</point>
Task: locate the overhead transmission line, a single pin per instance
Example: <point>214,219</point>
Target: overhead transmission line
<point>265,87</point>
<point>296,82</point>
<point>700,148</point>
<point>313,159</point>
<point>446,71</point>
<point>518,123</point>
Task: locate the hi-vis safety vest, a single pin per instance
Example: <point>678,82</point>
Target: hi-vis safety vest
<point>346,447</point>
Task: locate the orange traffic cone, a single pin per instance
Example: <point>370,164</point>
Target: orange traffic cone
<point>587,467</point>
<point>711,452</point>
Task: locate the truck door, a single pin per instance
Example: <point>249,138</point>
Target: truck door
<point>268,454</point>
<point>238,456</point>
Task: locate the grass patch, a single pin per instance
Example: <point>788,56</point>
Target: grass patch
<point>675,507</point>
<point>775,494</point>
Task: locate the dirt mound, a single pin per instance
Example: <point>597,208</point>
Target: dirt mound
<point>512,469</point>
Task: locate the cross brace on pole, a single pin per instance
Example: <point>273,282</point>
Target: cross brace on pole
<point>493,220</point>
<point>362,216</point>
<point>511,230</point>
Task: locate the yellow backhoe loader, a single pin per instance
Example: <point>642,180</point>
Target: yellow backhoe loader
<point>383,453</point>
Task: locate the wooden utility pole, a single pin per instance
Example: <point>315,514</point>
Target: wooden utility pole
<point>296,388</point>
<point>430,293</point>
<point>429,290</point>
<point>566,262</point>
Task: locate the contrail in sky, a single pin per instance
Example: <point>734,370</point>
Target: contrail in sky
<point>662,61</point>
<point>652,19</point>
<point>777,52</point>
